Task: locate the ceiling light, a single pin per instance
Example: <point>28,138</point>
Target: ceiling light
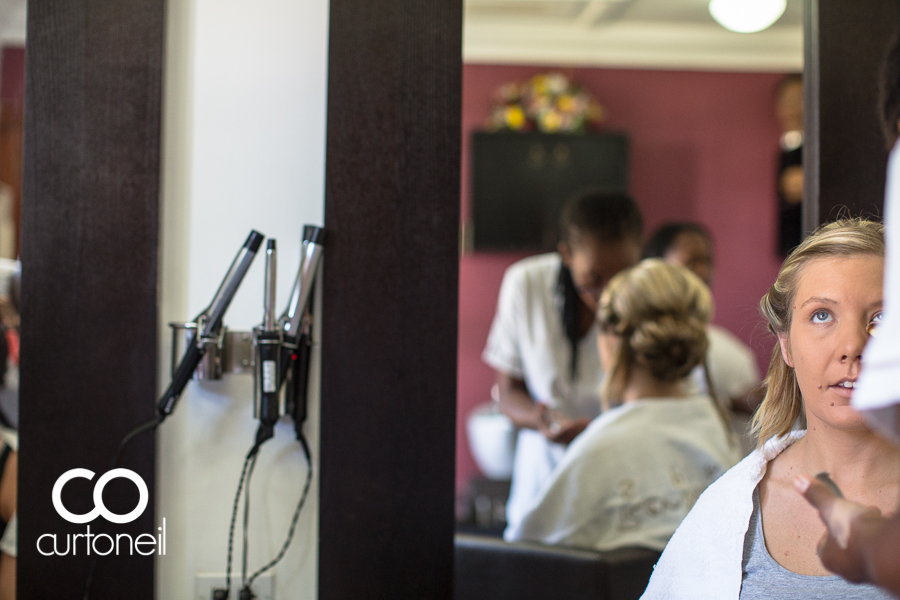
<point>746,16</point>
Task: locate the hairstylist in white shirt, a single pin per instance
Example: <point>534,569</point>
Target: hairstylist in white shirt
<point>542,342</point>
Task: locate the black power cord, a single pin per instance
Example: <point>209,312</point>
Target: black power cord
<point>245,537</point>
<point>247,470</point>
<point>249,462</point>
<point>290,536</point>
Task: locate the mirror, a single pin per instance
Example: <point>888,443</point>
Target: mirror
<point>12,105</point>
<point>697,105</point>
<point>12,113</point>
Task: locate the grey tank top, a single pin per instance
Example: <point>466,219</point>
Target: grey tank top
<point>763,578</point>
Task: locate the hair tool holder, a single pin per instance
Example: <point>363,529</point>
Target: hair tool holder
<point>226,352</point>
<point>276,351</point>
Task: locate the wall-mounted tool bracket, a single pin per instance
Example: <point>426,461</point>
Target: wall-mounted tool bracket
<point>228,352</point>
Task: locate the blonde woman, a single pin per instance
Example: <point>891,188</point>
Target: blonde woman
<point>750,535</point>
<point>634,473</point>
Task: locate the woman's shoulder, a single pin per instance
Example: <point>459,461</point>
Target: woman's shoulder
<point>746,475</point>
<point>646,428</point>
<point>703,558</point>
<point>734,486</point>
<point>680,417</point>
<point>639,417</point>
<point>603,430</point>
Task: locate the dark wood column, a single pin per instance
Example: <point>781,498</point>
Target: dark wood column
<point>390,279</point>
<point>89,254</point>
<point>844,154</point>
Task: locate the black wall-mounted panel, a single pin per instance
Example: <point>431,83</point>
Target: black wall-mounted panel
<point>520,182</point>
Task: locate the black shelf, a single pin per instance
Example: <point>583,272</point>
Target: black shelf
<point>520,182</point>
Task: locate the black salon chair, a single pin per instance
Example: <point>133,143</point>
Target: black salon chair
<point>488,568</point>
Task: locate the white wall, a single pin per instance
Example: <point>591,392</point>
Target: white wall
<point>243,147</point>
<point>13,22</point>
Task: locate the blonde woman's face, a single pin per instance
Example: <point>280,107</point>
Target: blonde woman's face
<point>836,300</point>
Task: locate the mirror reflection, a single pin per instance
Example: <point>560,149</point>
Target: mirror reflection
<point>650,101</point>
<point>12,105</point>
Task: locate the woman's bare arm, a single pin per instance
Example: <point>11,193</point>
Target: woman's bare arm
<point>526,413</point>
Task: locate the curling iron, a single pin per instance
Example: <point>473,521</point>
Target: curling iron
<point>282,356</point>
<point>209,323</point>
<point>295,326</point>
<point>268,346</point>
<point>313,241</point>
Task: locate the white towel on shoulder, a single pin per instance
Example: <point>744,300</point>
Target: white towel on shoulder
<point>703,558</point>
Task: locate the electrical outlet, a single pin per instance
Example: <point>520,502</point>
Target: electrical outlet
<point>206,583</point>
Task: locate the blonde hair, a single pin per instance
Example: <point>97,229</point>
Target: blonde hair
<point>783,403</point>
<point>661,312</point>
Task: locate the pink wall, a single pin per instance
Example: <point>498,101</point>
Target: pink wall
<point>703,146</point>
<point>12,74</point>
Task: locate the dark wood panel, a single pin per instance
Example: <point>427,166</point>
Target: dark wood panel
<point>390,281</point>
<point>845,156</point>
<point>89,252</point>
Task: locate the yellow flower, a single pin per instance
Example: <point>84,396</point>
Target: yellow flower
<point>515,117</point>
<point>565,103</point>
<point>539,84</point>
<point>550,121</point>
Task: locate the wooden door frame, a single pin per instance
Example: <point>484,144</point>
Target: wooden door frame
<point>389,334</point>
<point>844,152</point>
<point>89,246</point>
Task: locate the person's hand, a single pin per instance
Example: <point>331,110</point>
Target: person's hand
<point>565,430</point>
<point>555,426</point>
<point>851,528</point>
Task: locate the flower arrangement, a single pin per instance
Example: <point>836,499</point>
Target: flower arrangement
<point>549,102</point>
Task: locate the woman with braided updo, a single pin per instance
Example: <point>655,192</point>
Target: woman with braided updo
<point>637,469</point>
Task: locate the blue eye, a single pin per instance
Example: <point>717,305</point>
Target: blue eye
<point>821,316</point>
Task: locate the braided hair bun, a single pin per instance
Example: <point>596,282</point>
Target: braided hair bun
<point>668,347</point>
<point>661,312</point>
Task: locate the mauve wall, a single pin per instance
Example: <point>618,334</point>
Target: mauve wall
<point>12,73</point>
<point>703,146</point>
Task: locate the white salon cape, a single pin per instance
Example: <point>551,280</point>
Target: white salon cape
<point>528,341</point>
<point>703,559</point>
<point>732,366</point>
<point>734,374</point>
<point>9,539</point>
<point>878,388</point>
<point>631,477</point>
